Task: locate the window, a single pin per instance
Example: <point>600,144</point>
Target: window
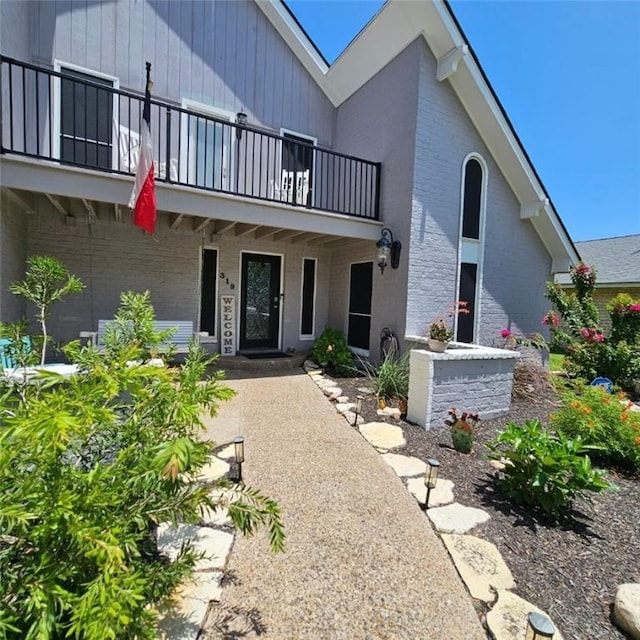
<point>308,298</point>
<point>472,200</point>
<point>208,291</point>
<point>360,288</point>
<point>471,244</point>
<point>206,146</point>
<point>86,115</point>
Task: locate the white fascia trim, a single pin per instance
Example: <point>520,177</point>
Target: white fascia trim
<point>297,40</point>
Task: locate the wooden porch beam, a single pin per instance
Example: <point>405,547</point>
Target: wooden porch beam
<point>197,228</point>
<point>19,200</point>
<point>56,205</point>
<point>263,232</point>
<point>244,229</point>
<point>222,226</point>
<point>305,237</point>
<point>287,234</point>
<point>176,221</point>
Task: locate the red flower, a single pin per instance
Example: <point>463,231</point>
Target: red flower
<point>505,333</point>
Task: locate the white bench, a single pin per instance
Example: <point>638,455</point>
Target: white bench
<point>183,333</point>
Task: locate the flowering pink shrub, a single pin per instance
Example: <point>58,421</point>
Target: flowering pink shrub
<point>588,351</point>
<point>505,333</point>
<point>551,319</point>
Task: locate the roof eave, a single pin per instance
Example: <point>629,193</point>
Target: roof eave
<point>389,32</point>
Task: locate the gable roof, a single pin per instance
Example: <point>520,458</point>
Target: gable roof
<point>388,33</point>
<point>617,260</point>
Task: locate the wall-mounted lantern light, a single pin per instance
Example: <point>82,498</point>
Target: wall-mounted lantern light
<point>388,250</point>
<point>431,478</point>
<point>539,627</point>
<point>238,444</point>
<point>241,119</point>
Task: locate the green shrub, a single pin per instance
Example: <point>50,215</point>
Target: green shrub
<point>331,351</point>
<point>602,420</point>
<point>88,468</point>
<point>391,378</point>
<point>543,470</point>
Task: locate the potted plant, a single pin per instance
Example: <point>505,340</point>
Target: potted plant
<point>441,329</point>
<point>462,429</point>
<point>440,334</point>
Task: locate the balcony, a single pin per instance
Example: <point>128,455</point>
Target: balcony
<point>73,119</point>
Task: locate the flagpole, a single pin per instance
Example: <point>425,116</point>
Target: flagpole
<point>143,197</point>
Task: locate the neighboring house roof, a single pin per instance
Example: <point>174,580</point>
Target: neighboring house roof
<point>388,33</point>
<point>617,260</point>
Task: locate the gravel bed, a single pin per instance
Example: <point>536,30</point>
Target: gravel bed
<point>571,569</point>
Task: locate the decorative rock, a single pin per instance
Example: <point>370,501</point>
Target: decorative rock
<point>314,373</point>
<point>310,365</point>
<point>341,407</point>
<point>227,452</point>
<point>389,412</point>
<point>332,392</point>
<point>218,518</point>
<point>214,544</point>
<point>507,620</point>
<point>626,609</point>
<point>343,399</point>
<point>405,465</point>
<point>214,470</point>
<point>440,495</point>
<point>455,518</point>
<point>182,618</point>
<point>383,435</point>
<point>350,417</point>
<point>479,564</point>
<point>497,465</point>
<point>366,391</point>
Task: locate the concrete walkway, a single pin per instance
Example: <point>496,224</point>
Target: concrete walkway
<point>362,560</point>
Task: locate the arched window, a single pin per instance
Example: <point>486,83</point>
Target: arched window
<point>470,248</point>
<point>472,200</point>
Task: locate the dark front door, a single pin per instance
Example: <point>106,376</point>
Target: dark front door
<point>260,305</point>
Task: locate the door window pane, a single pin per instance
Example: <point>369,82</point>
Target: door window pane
<point>258,300</point>
<point>86,115</point>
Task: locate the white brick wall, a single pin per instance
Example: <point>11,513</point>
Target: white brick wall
<point>516,264</point>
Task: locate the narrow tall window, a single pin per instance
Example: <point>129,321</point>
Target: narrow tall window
<point>308,297</point>
<point>472,200</point>
<point>360,288</point>
<point>208,291</point>
<point>471,246</point>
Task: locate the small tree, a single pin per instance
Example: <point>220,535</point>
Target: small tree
<point>46,281</point>
<point>589,352</point>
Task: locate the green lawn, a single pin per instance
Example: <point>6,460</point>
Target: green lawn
<point>555,361</point>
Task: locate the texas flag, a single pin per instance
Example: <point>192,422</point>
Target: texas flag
<point>143,197</point>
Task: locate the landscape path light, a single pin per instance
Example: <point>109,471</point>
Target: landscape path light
<point>431,478</point>
<point>358,410</point>
<point>238,444</point>
<point>539,627</point>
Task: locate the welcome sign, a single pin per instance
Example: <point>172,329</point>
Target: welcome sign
<point>228,326</point>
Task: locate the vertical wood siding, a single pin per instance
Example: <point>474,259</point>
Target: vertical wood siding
<point>222,53</point>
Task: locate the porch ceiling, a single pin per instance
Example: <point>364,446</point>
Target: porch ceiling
<point>72,191</point>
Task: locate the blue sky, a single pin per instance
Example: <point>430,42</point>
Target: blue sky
<point>568,75</point>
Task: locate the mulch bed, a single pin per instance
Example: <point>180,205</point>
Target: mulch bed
<point>570,570</point>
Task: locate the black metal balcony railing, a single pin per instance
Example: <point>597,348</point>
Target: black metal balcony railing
<point>71,118</point>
